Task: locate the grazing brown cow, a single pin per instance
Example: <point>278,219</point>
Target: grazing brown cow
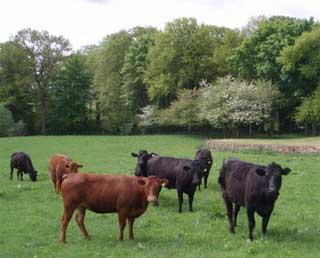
<point>60,164</point>
<point>100,193</point>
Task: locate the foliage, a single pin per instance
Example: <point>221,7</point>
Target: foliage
<point>303,59</point>
<point>183,112</point>
<point>230,103</point>
<point>181,57</point>
<point>16,83</point>
<point>135,63</point>
<point>147,118</point>
<point>71,96</point>
<point>108,80</point>
<point>309,110</point>
<point>7,125</point>
<point>44,54</point>
<point>256,58</point>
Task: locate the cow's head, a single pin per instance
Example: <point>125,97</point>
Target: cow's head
<point>195,170</point>
<point>72,167</point>
<point>152,186</point>
<point>273,173</point>
<point>205,158</point>
<point>143,157</point>
<point>33,175</point>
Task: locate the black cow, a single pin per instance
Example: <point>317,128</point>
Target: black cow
<point>205,156</point>
<point>255,187</point>
<point>22,162</point>
<point>182,174</point>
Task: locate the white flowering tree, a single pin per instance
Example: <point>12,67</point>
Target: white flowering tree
<point>230,103</point>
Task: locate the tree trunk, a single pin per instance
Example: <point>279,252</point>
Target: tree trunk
<point>314,129</point>
<point>250,130</point>
<point>44,112</point>
<point>306,129</point>
<point>98,115</point>
<point>276,121</point>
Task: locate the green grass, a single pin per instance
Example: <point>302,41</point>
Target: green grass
<point>30,212</point>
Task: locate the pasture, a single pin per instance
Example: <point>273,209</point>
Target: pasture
<point>30,212</point>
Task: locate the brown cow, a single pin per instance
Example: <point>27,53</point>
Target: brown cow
<point>60,164</point>
<point>101,193</point>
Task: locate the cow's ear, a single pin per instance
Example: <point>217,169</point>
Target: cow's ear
<point>286,171</point>
<point>134,154</point>
<point>153,154</point>
<point>186,168</point>
<point>80,166</point>
<point>260,172</point>
<point>141,182</point>
<point>164,182</point>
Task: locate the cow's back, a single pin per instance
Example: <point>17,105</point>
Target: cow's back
<point>233,178</point>
<point>102,193</point>
<point>167,167</point>
<point>56,159</point>
<point>21,160</point>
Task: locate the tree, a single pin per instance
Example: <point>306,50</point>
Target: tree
<point>44,54</point>
<point>181,57</point>
<point>303,60</point>
<point>231,104</point>
<point>257,58</point>
<point>16,83</point>
<point>183,112</point>
<point>309,111</point>
<point>108,80</point>
<point>7,125</point>
<point>135,63</point>
<point>71,95</point>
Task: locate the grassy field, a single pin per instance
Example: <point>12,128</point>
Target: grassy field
<point>30,212</point>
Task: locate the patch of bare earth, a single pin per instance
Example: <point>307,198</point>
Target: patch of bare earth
<point>234,146</point>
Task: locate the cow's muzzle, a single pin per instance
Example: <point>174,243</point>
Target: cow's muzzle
<point>153,199</point>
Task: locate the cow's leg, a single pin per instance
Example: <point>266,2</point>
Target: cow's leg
<point>205,181</point>
<point>180,198</point>
<point>80,214</point>
<point>67,215</point>
<point>235,214</point>
<point>11,172</point>
<point>190,201</point>
<point>130,222</point>
<point>53,179</point>
<point>58,184</point>
<point>265,221</point>
<point>229,212</point>
<point>251,222</point>
<point>122,224</point>
<point>199,186</point>
<point>20,173</point>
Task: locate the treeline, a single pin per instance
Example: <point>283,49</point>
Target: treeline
<point>262,78</point>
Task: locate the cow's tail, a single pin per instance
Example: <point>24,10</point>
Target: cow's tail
<point>222,175</point>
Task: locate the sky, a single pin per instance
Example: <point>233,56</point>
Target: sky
<point>86,22</point>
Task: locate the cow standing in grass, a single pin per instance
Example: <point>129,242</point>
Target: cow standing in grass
<point>255,187</point>
<point>60,164</point>
<point>206,157</point>
<point>182,174</point>
<point>22,162</point>
<point>126,195</point>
